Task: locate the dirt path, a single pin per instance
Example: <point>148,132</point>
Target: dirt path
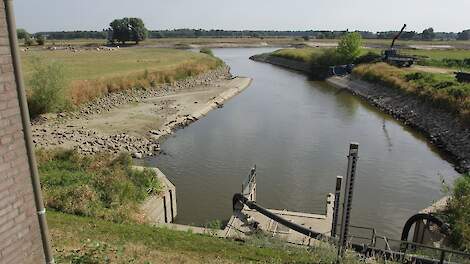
<point>137,125</point>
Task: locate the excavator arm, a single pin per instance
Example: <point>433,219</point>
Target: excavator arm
<point>397,36</point>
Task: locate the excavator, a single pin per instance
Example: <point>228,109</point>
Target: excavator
<point>392,56</point>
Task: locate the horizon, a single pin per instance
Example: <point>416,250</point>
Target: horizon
<point>210,15</point>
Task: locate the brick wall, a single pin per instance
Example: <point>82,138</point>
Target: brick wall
<point>19,229</point>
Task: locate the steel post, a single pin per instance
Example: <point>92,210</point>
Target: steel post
<point>348,196</point>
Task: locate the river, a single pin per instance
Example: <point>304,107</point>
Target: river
<point>297,132</point>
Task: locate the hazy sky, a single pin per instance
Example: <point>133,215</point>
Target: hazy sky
<point>372,15</point>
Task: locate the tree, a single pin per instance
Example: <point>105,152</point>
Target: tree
<point>128,29</point>
<point>428,34</point>
<point>464,35</point>
<point>22,33</point>
<point>349,46</point>
<point>41,40</point>
<point>138,32</point>
<point>120,29</point>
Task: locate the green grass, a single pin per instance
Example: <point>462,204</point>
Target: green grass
<point>95,73</point>
<point>85,239</point>
<point>306,54</point>
<point>300,54</point>
<point>440,89</point>
<point>457,213</point>
<point>101,186</point>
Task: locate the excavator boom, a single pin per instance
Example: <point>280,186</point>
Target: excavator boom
<point>397,36</point>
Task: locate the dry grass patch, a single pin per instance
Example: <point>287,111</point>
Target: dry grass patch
<point>93,73</point>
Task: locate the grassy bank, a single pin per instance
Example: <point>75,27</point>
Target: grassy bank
<point>451,58</point>
<point>301,54</point>
<point>101,186</point>
<point>92,73</point>
<point>440,89</point>
<point>88,240</point>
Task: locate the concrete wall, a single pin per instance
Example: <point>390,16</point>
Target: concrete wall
<point>161,209</point>
<point>19,229</point>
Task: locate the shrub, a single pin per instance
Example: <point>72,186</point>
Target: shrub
<point>41,40</point>
<point>369,57</point>
<point>457,213</point>
<point>349,46</point>
<point>28,41</point>
<point>207,51</point>
<point>47,88</point>
<point>101,186</point>
<point>320,63</point>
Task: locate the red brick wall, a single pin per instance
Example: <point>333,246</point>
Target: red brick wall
<point>19,229</point>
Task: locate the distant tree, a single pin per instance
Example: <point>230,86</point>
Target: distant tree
<point>22,33</point>
<point>306,38</point>
<point>128,29</point>
<point>120,29</point>
<point>408,35</point>
<point>349,46</point>
<point>28,41</point>
<point>464,35</point>
<point>138,32</point>
<point>40,39</point>
<point>428,34</point>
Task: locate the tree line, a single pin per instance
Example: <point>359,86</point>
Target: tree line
<point>133,29</point>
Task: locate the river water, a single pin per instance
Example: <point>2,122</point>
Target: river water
<point>297,132</point>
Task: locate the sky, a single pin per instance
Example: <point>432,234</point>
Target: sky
<point>370,15</point>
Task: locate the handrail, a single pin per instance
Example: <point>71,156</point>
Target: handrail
<point>239,201</point>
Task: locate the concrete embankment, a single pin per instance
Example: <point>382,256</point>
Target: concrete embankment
<point>442,128</point>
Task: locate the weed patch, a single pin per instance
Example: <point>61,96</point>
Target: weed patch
<point>101,186</point>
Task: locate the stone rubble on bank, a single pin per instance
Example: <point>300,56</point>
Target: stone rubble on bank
<point>51,130</point>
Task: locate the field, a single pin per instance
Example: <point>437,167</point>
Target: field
<point>92,73</point>
<point>92,64</point>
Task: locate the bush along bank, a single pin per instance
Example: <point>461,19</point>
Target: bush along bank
<point>457,213</point>
<point>103,186</point>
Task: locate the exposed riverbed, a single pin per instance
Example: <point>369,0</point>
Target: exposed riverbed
<point>297,132</point>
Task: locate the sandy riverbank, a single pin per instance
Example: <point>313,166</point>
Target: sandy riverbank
<point>135,121</point>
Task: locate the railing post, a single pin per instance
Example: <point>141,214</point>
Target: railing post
<point>443,255</point>
<point>348,196</point>
<point>334,224</point>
